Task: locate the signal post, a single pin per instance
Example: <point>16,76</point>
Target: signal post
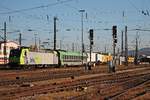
<point>91,44</point>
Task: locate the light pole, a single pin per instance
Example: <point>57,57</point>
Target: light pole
<point>82,44</point>
<point>136,51</point>
<point>5,40</point>
<point>126,47</point>
<point>35,46</point>
<point>55,18</point>
<point>20,38</point>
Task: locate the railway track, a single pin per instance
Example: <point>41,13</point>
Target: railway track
<point>121,89</point>
<point>111,80</point>
<point>46,76</point>
<point>132,92</point>
<point>13,73</point>
<point>116,91</point>
<point>17,79</point>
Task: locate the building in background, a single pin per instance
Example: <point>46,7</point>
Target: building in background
<point>9,45</point>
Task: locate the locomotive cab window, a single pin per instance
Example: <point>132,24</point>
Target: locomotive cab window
<point>15,52</point>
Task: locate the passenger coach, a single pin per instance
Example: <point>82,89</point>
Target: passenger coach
<point>69,58</point>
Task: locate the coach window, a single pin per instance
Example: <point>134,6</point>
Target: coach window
<point>78,58</point>
<point>64,57</point>
<point>84,57</point>
<point>70,57</point>
<point>73,57</point>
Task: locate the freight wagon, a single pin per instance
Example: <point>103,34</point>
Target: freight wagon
<point>99,58</point>
<point>93,57</point>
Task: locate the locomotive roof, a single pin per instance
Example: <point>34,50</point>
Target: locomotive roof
<point>41,50</point>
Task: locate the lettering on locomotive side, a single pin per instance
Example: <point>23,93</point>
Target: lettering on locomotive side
<point>32,60</point>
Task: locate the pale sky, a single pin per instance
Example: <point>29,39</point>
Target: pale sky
<point>37,15</point>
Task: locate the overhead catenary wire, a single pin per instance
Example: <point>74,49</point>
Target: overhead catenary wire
<point>133,6</point>
<point>47,17</point>
<point>144,12</point>
<point>37,7</point>
<point>23,13</point>
<point>90,16</point>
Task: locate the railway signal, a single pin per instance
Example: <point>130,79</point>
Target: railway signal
<point>91,36</point>
<point>114,31</point>
<point>91,43</point>
<point>114,34</point>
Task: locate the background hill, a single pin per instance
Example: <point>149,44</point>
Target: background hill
<point>143,51</point>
